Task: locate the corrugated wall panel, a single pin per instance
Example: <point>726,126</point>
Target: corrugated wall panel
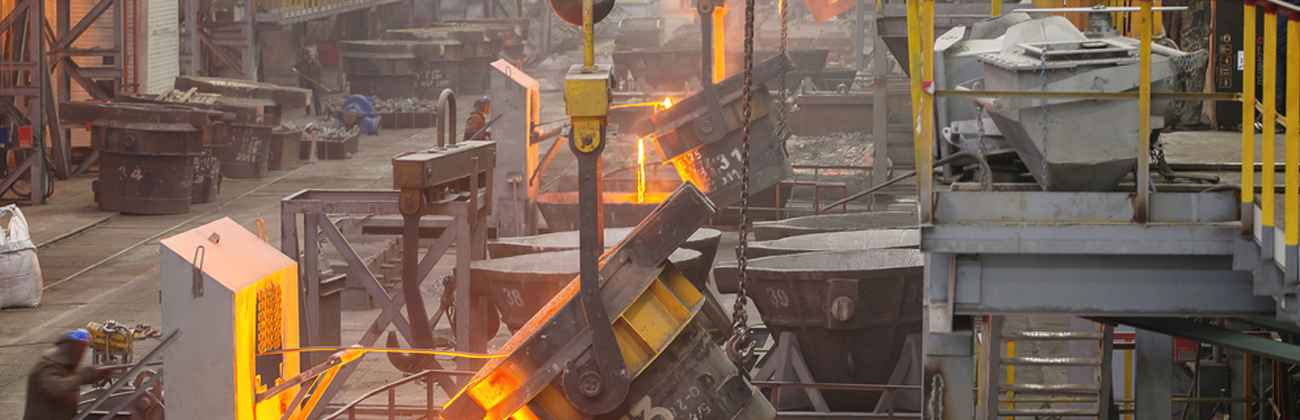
<point>160,62</point>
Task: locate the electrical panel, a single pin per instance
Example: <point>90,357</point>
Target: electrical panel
<point>235,299</point>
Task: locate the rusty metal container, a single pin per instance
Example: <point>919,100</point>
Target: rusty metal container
<point>382,68</point>
<point>286,144</point>
<point>641,32</point>
<point>704,240</point>
<point>522,284</point>
<point>331,148</point>
<point>621,209</point>
<point>207,179</point>
<point>665,69</point>
<point>778,229</point>
<point>703,143</point>
<point>851,311</point>
<point>249,150</point>
<point>282,96</point>
<point>837,241</point>
<point>726,273</point>
<point>147,154</point>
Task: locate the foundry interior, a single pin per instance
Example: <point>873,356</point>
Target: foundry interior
<point>650,209</point>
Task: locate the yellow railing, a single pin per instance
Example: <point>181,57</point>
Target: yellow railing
<point>920,19</point>
<point>292,6</point>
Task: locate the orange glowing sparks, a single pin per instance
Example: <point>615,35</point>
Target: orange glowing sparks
<point>640,170</point>
<point>667,103</point>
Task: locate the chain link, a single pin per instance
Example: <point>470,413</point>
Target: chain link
<point>781,132</point>
<point>740,347</point>
<point>979,125</point>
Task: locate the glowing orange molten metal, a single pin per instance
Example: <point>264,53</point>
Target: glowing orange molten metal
<point>640,170</point>
<point>667,103</point>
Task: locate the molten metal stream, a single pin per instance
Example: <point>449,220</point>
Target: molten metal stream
<point>640,170</point>
<point>640,148</point>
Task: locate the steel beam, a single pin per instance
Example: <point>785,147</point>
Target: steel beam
<point>1154,379</point>
<point>84,24</point>
<point>1118,285</point>
<point>1223,337</point>
<point>1099,239</point>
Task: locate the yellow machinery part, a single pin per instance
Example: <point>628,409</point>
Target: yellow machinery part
<point>659,313</point>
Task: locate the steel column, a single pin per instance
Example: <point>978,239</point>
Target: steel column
<point>1154,379</point>
<point>879,104</point>
<point>192,28</point>
<point>948,372</point>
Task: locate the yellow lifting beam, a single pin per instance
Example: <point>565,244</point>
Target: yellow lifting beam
<point>1270,109</point>
<point>1247,111</point>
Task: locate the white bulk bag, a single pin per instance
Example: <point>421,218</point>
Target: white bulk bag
<point>20,271</point>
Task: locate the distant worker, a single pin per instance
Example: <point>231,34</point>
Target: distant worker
<point>54,384</point>
<point>478,121</point>
<point>309,75</point>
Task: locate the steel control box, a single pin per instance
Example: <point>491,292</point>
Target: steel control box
<point>235,298</point>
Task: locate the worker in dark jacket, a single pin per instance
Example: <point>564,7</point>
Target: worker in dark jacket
<point>309,76</point>
<point>54,384</point>
<point>478,121</point>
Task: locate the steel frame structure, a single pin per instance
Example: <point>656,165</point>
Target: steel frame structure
<point>316,205</point>
<point>51,47</point>
<point>1128,257</point>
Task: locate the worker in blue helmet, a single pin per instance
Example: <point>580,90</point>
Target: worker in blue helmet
<point>54,384</point>
<point>476,125</point>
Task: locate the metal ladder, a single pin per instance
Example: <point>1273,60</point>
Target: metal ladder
<point>1089,399</point>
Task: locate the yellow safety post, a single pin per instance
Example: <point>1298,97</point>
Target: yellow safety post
<point>1268,145</point>
<point>997,8</point>
<point>1143,178</point>
<point>1248,107</point>
<point>1292,133</point>
<point>1011,371</point>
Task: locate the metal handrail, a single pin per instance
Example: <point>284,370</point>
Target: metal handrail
<point>389,387</point>
<point>986,180</point>
<point>889,390</point>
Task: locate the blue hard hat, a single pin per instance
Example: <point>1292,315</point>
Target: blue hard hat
<point>80,334</point>
<point>482,100</point>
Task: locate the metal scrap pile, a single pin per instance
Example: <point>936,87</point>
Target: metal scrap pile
<point>323,132</point>
<point>403,105</point>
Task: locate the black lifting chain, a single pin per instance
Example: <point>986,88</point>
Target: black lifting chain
<point>782,132</point>
<point>741,346</point>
